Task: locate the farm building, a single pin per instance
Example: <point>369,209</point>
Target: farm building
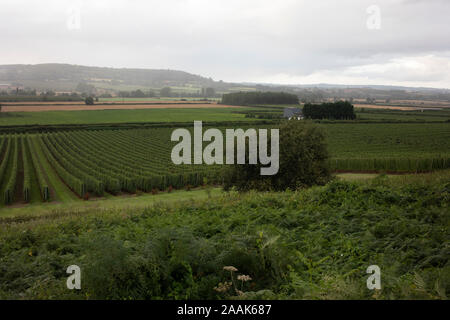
<point>292,113</point>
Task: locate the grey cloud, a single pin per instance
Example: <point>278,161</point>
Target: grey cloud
<point>230,39</point>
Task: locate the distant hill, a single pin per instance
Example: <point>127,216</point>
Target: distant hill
<point>67,77</point>
<point>326,86</point>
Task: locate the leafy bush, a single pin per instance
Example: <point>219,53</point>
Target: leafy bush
<point>314,243</point>
<point>303,162</point>
<point>340,110</point>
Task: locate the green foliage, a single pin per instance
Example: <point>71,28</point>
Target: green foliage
<point>249,98</point>
<point>397,165</point>
<point>11,182</point>
<point>5,148</point>
<point>37,159</point>
<point>91,183</point>
<point>302,154</point>
<point>173,115</point>
<point>340,110</point>
<point>26,170</point>
<point>311,244</point>
<point>77,185</point>
<point>404,147</point>
<point>116,160</point>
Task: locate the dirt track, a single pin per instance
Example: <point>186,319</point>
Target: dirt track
<point>36,103</point>
<point>72,107</point>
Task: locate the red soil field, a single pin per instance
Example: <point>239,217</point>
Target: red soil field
<point>71,107</point>
<point>35,103</point>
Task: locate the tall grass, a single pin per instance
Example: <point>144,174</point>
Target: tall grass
<point>310,244</point>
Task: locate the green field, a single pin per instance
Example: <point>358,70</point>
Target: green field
<point>362,140</point>
<point>402,147</point>
<point>69,165</point>
<point>105,196</point>
<point>121,116</point>
<point>389,115</point>
<point>88,164</point>
<point>191,114</point>
<point>46,210</point>
<point>64,166</point>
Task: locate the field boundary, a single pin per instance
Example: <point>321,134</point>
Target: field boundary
<point>32,128</point>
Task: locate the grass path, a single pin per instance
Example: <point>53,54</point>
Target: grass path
<point>118,202</point>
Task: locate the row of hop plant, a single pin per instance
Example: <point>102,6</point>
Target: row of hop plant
<point>11,184</point>
<point>91,184</point>
<point>101,163</point>
<point>85,177</point>
<point>69,163</point>
<point>5,149</point>
<point>390,164</point>
<point>122,161</point>
<point>145,180</point>
<point>26,170</point>
<point>128,177</point>
<point>36,158</point>
<point>111,183</point>
<point>140,151</point>
<point>144,147</point>
<point>71,181</point>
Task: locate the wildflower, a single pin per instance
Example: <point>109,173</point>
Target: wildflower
<point>244,278</point>
<point>230,268</point>
<point>222,287</point>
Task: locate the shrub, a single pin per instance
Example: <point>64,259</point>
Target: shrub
<point>336,110</point>
<point>303,162</point>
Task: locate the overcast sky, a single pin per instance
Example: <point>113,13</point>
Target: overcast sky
<point>397,42</point>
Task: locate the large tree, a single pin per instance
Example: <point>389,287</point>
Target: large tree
<point>303,162</point>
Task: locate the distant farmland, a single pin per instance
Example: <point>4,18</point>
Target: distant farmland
<point>121,116</point>
<point>78,107</point>
<point>112,149</point>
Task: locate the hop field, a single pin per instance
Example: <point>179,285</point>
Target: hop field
<point>93,163</point>
<point>405,147</point>
<point>81,164</point>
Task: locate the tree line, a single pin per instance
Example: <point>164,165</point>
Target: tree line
<point>247,98</point>
<point>340,110</point>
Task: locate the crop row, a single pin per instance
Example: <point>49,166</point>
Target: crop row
<point>390,164</point>
<point>130,160</point>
